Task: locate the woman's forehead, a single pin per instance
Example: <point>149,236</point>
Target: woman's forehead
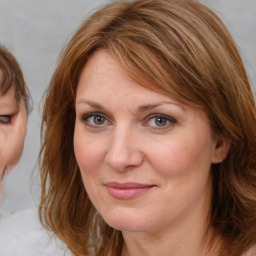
<point>4,87</point>
<point>8,98</point>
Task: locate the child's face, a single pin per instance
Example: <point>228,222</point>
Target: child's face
<point>13,128</point>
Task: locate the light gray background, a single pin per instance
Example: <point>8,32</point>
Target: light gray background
<point>36,31</point>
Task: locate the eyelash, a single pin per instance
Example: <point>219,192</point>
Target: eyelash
<point>167,119</point>
<point>5,119</point>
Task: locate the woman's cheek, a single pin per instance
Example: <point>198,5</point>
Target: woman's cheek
<point>13,156</point>
<point>87,152</point>
<point>4,148</point>
<point>167,158</point>
<point>16,153</point>
<point>19,138</point>
<point>12,144</point>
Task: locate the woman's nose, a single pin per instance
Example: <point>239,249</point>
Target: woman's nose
<point>124,151</point>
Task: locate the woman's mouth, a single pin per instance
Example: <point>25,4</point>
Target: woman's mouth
<point>126,191</point>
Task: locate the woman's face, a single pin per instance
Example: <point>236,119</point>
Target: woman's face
<point>13,127</point>
<point>144,157</point>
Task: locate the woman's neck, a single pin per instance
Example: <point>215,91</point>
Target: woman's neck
<point>190,235</point>
<point>149,244</point>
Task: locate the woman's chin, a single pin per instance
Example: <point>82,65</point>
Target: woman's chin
<point>127,221</point>
<point>126,226</point>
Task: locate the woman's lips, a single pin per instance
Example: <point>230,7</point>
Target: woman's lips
<point>126,191</point>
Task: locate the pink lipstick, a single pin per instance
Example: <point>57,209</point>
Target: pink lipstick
<point>126,191</point>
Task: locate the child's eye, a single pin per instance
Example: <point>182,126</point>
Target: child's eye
<point>160,121</point>
<point>5,119</point>
<point>95,119</point>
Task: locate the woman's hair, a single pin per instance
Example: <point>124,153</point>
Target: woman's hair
<point>176,47</point>
<point>12,77</point>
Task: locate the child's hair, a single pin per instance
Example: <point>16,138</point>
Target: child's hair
<point>12,77</point>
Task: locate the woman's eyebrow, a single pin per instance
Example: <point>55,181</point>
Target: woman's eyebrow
<point>9,106</point>
<point>142,108</point>
<point>90,103</point>
<point>148,107</point>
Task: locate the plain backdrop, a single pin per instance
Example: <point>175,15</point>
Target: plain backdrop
<point>36,31</point>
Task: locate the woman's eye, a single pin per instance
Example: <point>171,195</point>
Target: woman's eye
<point>160,121</point>
<point>95,119</point>
<point>5,119</point>
<point>98,120</point>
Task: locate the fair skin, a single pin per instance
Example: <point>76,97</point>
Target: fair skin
<point>145,160</point>
<point>13,128</point>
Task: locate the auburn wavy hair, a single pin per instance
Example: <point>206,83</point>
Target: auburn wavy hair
<point>176,47</point>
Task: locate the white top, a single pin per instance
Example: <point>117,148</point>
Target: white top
<point>21,234</point>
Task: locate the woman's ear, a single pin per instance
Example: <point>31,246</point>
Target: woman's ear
<point>221,150</point>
